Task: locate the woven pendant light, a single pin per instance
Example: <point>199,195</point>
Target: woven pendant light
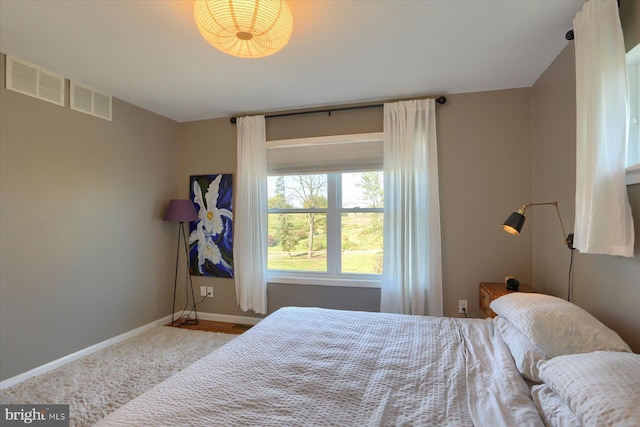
<point>245,28</point>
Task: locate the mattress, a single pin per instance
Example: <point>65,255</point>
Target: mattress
<point>320,367</point>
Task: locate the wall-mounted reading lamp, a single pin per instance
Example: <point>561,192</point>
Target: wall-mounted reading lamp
<point>514,223</point>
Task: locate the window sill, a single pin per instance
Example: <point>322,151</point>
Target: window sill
<point>633,174</point>
<point>311,279</point>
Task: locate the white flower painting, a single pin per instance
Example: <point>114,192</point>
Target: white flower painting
<point>211,237</point>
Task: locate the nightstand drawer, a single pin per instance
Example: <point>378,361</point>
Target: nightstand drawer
<point>485,300</point>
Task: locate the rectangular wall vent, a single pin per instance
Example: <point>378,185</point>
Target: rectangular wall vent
<point>90,101</point>
<point>35,81</point>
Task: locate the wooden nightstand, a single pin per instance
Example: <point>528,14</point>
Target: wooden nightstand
<point>490,291</point>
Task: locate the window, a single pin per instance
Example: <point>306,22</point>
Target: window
<point>633,147</point>
<point>325,210</point>
<point>328,223</point>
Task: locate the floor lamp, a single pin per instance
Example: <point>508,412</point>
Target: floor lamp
<point>182,211</point>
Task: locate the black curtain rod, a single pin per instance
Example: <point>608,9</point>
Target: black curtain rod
<point>439,100</point>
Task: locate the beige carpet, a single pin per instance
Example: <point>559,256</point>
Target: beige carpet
<point>101,382</point>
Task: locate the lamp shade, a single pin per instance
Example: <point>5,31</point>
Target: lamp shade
<point>245,28</point>
<point>180,211</point>
<point>514,223</point>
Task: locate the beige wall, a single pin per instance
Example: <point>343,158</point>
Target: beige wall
<point>84,253</point>
<point>485,170</point>
<point>207,147</point>
<point>606,286</point>
<point>484,143</point>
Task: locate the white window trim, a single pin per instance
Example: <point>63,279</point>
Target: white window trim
<point>325,279</point>
<point>633,171</point>
<point>333,139</point>
<point>633,174</point>
<point>322,279</point>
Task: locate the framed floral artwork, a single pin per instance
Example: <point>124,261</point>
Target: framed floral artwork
<point>211,236</point>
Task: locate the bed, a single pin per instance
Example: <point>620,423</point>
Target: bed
<point>320,367</point>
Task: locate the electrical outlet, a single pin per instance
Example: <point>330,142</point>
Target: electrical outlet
<point>203,291</point>
<point>463,306</point>
<point>209,291</point>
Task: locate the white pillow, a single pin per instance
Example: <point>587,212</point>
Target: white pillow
<point>556,326</point>
<point>524,352</point>
<point>602,388</point>
<point>553,410</point>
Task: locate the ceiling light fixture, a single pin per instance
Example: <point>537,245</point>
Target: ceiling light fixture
<point>245,28</point>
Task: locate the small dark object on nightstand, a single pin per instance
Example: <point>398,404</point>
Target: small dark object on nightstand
<point>513,284</point>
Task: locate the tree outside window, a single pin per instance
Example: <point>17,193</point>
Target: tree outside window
<point>326,223</point>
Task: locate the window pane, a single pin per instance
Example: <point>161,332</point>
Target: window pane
<point>297,191</point>
<point>362,242</point>
<point>363,190</point>
<point>297,242</point>
<point>633,153</point>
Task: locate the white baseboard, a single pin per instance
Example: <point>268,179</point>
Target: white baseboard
<point>99,346</point>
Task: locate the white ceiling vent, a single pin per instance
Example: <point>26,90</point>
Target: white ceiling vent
<point>90,101</point>
<point>32,80</point>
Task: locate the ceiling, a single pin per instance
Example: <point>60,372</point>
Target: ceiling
<point>149,53</point>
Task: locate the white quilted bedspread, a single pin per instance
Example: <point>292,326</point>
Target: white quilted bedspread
<point>318,367</point>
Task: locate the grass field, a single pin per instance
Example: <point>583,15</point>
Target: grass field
<point>366,262</point>
<point>361,245</point>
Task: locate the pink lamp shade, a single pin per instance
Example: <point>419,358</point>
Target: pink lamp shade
<point>180,211</point>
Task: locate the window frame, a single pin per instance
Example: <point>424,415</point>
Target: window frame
<point>334,212</point>
<point>633,65</point>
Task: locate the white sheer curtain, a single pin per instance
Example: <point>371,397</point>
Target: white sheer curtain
<point>412,268</point>
<point>603,223</point>
<point>250,240</point>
